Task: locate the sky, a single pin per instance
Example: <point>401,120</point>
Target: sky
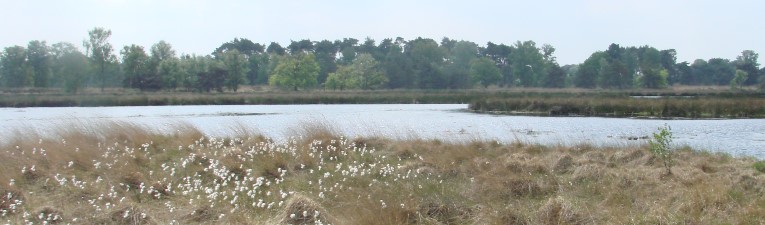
<point>697,29</point>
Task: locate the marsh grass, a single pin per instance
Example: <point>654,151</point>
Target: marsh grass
<point>261,96</point>
<point>121,174</point>
<point>625,106</point>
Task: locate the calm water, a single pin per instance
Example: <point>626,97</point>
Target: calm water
<point>446,122</point>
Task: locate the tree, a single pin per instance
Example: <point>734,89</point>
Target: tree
<point>614,73</point>
<point>73,69</point>
<point>362,74</point>
<point>236,67</point>
<point>13,67</point>
<point>162,67</point>
<point>556,76</point>
<point>461,56</point>
<point>653,78</point>
<point>501,56</point>
<point>304,45</point>
<point>483,71</point>
<point>747,62</point>
<point>135,65</point>
<point>398,67</point>
<point>427,59</point>
<point>275,48</point>
<point>348,50</point>
<point>258,69</point>
<point>340,79</point>
<point>100,51</point>
<point>762,79</point>
<point>669,62</point>
<point>528,63</point>
<point>326,53</point>
<point>243,45</point>
<point>369,75</point>
<point>587,75</point>
<point>170,73</point>
<point>661,147</point>
<point>211,74</point>
<point>738,80</point>
<point>297,71</point>
<point>722,70</point>
<point>38,58</point>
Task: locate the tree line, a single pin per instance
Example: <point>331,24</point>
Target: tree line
<point>421,63</point>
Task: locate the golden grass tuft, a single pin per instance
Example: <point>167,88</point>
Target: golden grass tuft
<point>303,210</point>
<point>130,215</point>
<point>559,211</point>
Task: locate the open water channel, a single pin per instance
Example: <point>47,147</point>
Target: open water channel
<point>447,122</point>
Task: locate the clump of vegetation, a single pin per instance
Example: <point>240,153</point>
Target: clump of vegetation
<point>122,175</point>
<point>660,147</point>
<point>737,106</point>
<point>759,166</point>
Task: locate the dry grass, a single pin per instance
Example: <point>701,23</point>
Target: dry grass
<point>122,174</point>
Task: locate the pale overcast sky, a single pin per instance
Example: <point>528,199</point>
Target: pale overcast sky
<point>576,28</point>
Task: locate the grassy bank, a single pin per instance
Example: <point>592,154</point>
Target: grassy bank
<point>120,174</point>
<point>120,97</point>
<point>626,106</point>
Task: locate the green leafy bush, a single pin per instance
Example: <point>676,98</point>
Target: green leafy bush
<point>760,166</point>
<point>660,146</point>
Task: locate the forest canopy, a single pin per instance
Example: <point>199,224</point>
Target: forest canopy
<point>348,63</point>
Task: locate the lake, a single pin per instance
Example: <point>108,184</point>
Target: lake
<point>448,122</point>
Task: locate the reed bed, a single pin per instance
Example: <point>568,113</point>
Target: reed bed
<point>119,97</point>
<point>122,174</point>
<point>660,107</point>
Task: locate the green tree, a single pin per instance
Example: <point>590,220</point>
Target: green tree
<point>528,63</point>
<point>38,58</point>
<point>236,67</point>
<point>368,73</point>
<point>587,75</point>
<point>276,49</point>
<point>326,54</point>
<point>171,73</point>
<point>721,70</point>
<point>661,147</point>
<point>427,60</point>
<point>364,73</point>
<point>258,69</point>
<point>739,79</point>
<point>211,74</point>
<point>398,67</point>
<point>73,69</point>
<point>460,55</point>
<point>747,62</point>
<point>653,78</point>
<point>13,67</point>
<point>484,72</point>
<point>100,51</point>
<point>340,79</point>
<point>297,71</point>
<point>135,65</point>
<point>501,56</point>
<point>348,48</point>
<point>556,76</point>
<point>305,46</point>
<point>669,62</point>
<point>57,52</point>
<point>243,45</point>
<point>162,67</point>
<point>614,72</point>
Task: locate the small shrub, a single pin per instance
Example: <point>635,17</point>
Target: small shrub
<point>660,147</point>
<point>760,166</point>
